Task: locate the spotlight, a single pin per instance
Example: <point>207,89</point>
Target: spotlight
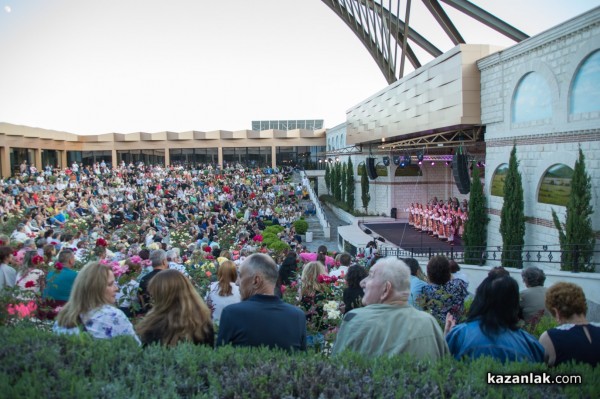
<point>420,156</point>
<point>447,163</point>
<point>402,164</point>
<point>396,159</point>
<point>406,159</point>
<point>367,231</point>
<point>381,239</point>
<point>386,161</point>
<point>432,163</point>
<point>420,162</point>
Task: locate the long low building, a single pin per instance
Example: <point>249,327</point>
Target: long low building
<point>42,147</point>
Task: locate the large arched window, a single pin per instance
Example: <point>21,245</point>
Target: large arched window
<point>585,90</point>
<point>498,180</point>
<point>381,169</point>
<point>410,170</point>
<point>360,169</point>
<point>532,100</point>
<point>555,187</point>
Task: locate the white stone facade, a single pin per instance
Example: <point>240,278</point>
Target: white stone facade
<point>556,55</point>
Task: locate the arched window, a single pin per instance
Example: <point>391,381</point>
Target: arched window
<point>532,100</point>
<point>381,169</point>
<point>410,170</point>
<point>360,169</point>
<point>585,90</point>
<point>498,180</point>
<point>555,187</point>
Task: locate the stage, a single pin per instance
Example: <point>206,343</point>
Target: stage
<point>406,237</point>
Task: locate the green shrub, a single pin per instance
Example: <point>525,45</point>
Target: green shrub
<point>278,246</point>
<point>36,364</point>
<point>276,229</point>
<point>269,238</point>
<point>239,215</point>
<point>301,226</point>
<point>268,223</point>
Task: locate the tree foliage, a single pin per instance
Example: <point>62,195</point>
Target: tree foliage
<point>337,188</point>
<point>475,236</point>
<point>512,217</point>
<point>327,177</point>
<point>577,239</point>
<point>343,181</point>
<point>350,184</point>
<point>364,186</point>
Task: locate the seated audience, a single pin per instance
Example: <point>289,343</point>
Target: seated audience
<point>353,293</point>
<point>261,319</point>
<point>342,269</point>
<point>8,275</point>
<point>417,282</point>
<point>178,313</point>
<point>443,294</point>
<point>575,339</point>
<point>31,276</point>
<point>59,283</point>
<point>158,257</point>
<point>91,306</point>
<point>456,273</point>
<point>492,328</point>
<point>224,292</point>
<point>533,298</point>
<point>387,325</point>
<point>320,255</point>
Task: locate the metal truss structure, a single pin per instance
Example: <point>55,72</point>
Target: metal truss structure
<point>383,32</point>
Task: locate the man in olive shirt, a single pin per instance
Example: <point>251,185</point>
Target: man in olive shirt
<point>388,325</point>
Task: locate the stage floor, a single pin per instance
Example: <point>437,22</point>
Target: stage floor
<point>406,237</point>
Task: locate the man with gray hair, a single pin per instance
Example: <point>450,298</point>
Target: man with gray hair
<point>261,319</point>
<point>158,257</point>
<point>388,325</point>
<point>533,299</point>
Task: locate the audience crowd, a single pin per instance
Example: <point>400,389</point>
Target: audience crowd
<point>169,255</point>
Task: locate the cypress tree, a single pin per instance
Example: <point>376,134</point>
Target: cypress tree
<point>337,188</point>
<point>350,184</point>
<point>512,217</point>
<point>327,177</point>
<point>364,186</point>
<point>343,181</point>
<point>475,236</point>
<point>577,240</point>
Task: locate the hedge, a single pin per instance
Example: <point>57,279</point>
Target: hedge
<point>36,364</point>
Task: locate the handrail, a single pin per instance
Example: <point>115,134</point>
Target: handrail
<point>318,207</point>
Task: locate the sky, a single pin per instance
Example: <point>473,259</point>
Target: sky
<point>123,66</point>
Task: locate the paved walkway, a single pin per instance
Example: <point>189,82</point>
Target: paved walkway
<point>317,230</point>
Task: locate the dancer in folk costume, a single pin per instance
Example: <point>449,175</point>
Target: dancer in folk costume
<point>436,221</point>
<point>418,217</point>
<point>425,219</point>
<point>442,225</point>
<point>411,215</point>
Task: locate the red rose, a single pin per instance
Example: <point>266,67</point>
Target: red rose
<point>37,260</point>
<point>101,242</point>
<point>58,266</point>
<point>29,284</point>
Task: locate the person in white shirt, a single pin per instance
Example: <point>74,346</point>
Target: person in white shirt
<point>342,269</point>
<point>224,292</point>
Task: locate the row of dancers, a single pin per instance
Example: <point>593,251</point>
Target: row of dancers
<point>444,221</point>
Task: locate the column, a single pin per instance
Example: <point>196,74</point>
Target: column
<point>5,157</point>
<point>37,159</point>
<point>167,157</point>
<point>273,155</point>
<point>220,156</point>
<point>62,159</point>
<point>113,155</point>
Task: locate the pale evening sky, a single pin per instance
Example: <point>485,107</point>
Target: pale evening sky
<point>101,66</point>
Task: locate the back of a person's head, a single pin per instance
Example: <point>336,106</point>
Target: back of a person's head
<point>533,276</point>
<point>322,250</point>
<point>264,265</point>
<point>356,273</point>
<point>158,256</point>
<point>345,259</point>
<point>88,292</point>
<point>178,312</point>
<point>5,252</point>
<point>396,272</point>
<point>454,267</point>
<point>227,274</point>
<point>310,277</point>
<point>413,264</point>
<point>144,254</point>
<point>496,304</point>
<point>65,255</point>
<point>438,270</point>
<point>566,298</point>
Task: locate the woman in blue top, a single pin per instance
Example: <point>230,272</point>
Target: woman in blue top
<point>491,328</point>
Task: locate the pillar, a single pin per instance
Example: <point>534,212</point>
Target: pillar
<point>220,156</point>
<point>273,156</point>
<point>5,164</point>
<point>113,156</point>
<point>167,157</point>
<point>37,159</point>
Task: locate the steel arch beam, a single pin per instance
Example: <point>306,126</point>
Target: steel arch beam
<point>442,18</point>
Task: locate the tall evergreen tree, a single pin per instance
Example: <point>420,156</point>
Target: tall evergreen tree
<point>327,177</point>
<point>364,187</point>
<point>475,235</point>
<point>512,217</point>
<point>577,240</point>
<point>337,190</point>
<point>343,181</point>
<point>350,184</point>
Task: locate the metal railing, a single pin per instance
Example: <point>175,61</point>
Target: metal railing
<point>530,254</point>
<point>318,207</point>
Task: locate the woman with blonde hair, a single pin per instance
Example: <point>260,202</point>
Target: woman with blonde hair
<point>178,313</point>
<point>310,279</point>
<point>90,307</point>
<point>313,296</point>
<point>223,292</point>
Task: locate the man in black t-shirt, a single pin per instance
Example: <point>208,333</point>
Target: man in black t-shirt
<point>159,263</point>
<point>261,319</point>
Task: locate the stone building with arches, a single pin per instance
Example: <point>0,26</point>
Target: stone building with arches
<point>543,94</point>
